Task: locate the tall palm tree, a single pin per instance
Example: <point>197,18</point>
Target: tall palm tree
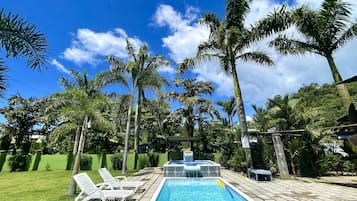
<point>229,107</point>
<point>190,99</point>
<point>143,75</point>
<point>229,41</point>
<point>324,32</point>
<point>81,101</point>
<point>148,79</point>
<point>20,38</point>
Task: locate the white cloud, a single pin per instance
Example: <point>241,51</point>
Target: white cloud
<point>257,83</point>
<point>59,66</point>
<point>166,69</point>
<point>90,47</point>
<point>186,35</point>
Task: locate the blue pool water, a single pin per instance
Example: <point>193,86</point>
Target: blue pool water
<point>197,190</point>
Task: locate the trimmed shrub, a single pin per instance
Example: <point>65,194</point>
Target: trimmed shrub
<point>37,160</point>
<point>2,159</point>
<point>117,161</point>
<point>153,158</point>
<point>70,159</point>
<point>86,162</point>
<point>175,155</point>
<point>19,162</point>
<point>104,160</point>
<point>143,162</point>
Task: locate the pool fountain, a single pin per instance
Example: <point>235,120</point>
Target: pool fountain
<point>188,167</point>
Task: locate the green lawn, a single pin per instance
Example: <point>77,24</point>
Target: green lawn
<point>51,185</point>
<point>40,185</point>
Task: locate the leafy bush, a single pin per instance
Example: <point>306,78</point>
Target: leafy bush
<point>144,162</point>
<point>203,156</point>
<point>175,155</point>
<point>86,162</point>
<point>117,161</point>
<point>153,158</point>
<point>19,162</point>
<point>37,160</point>
<point>238,162</point>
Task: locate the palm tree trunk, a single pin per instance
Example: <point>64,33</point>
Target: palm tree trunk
<point>341,88</point>
<point>72,186</point>
<point>126,146</point>
<point>137,129</point>
<point>242,118</point>
<point>76,141</point>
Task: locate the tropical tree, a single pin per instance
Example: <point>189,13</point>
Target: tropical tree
<point>230,41</point>
<point>260,119</point>
<point>229,107</point>
<point>81,102</point>
<point>283,113</point>
<point>324,32</point>
<point>190,100</point>
<point>143,74</point>
<point>20,38</point>
<point>22,115</point>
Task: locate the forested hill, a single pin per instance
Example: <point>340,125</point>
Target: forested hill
<point>321,105</point>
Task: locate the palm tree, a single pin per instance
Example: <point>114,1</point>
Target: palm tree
<point>261,120</point>
<point>19,38</point>
<point>283,112</point>
<point>190,99</point>
<point>229,108</point>
<point>324,32</point>
<point>142,72</point>
<point>80,102</point>
<point>229,41</point>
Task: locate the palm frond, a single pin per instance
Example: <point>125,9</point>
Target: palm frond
<point>185,65</point>
<point>131,50</point>
<point>116,64</point>
<point>211,20</point>
<point>64,82</point>
<point>236,11</point>
<point>19,37</point>
<point>286,46</point>
<point>306,21</point>
<point>106,77</point>
<point>3,85</point>
<point>278,20</point>
<point>333,18</point>
<point>256,56</point>
<point>347,35</point>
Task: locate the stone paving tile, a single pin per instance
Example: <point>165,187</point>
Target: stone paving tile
<point>279,190</point>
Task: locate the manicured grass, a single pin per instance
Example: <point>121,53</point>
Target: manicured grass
<point>40,185</point>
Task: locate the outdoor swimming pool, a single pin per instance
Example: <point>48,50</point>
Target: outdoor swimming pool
<point>199,189</point>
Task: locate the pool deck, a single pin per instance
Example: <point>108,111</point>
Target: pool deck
<point>325,188</point>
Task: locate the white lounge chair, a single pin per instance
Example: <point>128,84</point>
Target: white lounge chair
<point>91,191</point>
<point>119,182</point>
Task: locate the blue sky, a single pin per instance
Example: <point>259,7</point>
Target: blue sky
<point>81,32</point>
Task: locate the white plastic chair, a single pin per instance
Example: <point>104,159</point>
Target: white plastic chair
<point>119,182</point>
<point>91,191</point>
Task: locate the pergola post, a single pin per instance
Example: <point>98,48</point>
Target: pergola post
<point>280,156</point>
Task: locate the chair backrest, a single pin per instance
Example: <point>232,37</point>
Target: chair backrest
<point>105,174</point>
<point>85,183</point>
